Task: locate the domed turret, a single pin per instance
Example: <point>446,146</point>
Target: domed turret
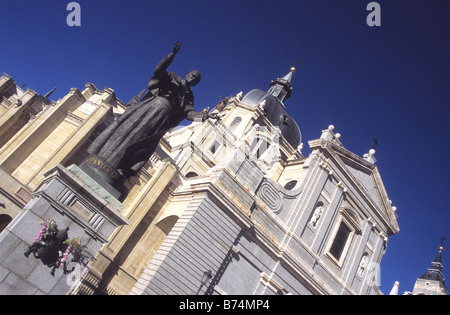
<point>279,91</point>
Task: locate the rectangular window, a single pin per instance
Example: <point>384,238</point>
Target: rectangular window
<point>214,147</point>
<point>339,241</point>
<point>258,147</point>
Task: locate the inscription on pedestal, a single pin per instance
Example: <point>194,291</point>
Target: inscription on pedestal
<point>104,167</point>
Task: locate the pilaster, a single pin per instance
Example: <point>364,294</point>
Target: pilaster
<point>29,137</point>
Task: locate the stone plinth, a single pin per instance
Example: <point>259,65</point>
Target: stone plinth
<point>104,174</point>
<point>75,201</point>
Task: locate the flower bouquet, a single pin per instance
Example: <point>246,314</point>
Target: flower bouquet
<point>73,246</point>
<point>48,229</point>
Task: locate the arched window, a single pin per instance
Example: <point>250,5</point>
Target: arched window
<point>191,175</point>
<point>346,227</point>
<point>235,124</point>
<point>4,221</point>
<point>340,240</point>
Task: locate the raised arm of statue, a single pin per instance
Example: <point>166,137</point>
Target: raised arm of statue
<point>164,64</point>
<point>126,144</point>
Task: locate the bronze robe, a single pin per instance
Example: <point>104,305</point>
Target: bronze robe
<point>130,140</point>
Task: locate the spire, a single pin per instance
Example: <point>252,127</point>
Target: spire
<point>438,259</point>
<point>436,264</point>
<point>288,77</point>
<point>434,274</point>
<point>281,88</point>
<point>49,93</point>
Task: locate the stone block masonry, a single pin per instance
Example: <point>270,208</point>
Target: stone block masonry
<point>74,202</point>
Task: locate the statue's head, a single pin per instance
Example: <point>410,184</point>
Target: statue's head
<point>193,77</point>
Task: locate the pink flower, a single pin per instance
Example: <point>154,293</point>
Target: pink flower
<point>66,253</point>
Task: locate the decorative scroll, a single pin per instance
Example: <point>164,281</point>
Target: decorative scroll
<point>271,196</point>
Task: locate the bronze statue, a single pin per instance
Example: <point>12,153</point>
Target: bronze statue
<point>130,140</point>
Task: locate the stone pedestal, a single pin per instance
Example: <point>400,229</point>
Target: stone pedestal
<point>104,174</point>
<point>75,201</point>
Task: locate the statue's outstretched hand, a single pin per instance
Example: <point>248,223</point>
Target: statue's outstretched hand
<point>207,114</point>
<point>202,116</point>
<point>214,115</point>
<point>176,48</point>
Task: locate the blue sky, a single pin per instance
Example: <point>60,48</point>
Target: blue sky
<point>390,82</point>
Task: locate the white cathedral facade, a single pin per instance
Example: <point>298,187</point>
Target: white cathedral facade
<point>233,199</point>
<point>269,220</point>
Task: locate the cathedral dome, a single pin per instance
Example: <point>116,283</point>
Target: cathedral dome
<point>277,115</point>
